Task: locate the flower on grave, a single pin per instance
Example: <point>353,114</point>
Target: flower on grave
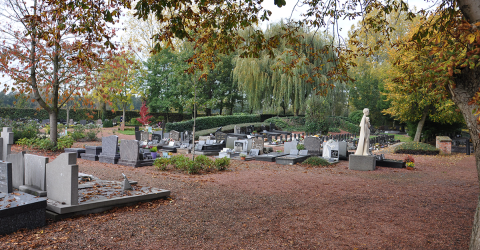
<point>410,164</point>
<point>409,158</point>
<point>170,153</point>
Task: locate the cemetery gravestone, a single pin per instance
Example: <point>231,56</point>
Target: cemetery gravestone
<point>78,151</point>
<point>129,154</point>
<point>144,136</point>
<point>157,135</point>
<point>313,145</point>
<point>7,136</point>
<point>18,168</point>
<point>99,122</point>
<point>258,144</point>
<point>83,122</point>
<point>230,143</point>
<point>288,146</point>
<point>6,177</point>
<point>109,150</point>
<point>62,179</point>
<point>220,136</point>
<point>92,153</point>
<point>175,135</point>
<point>35,170</point>
<point>240,146</point>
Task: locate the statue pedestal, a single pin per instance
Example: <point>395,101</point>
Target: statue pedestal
<point>362,162</point>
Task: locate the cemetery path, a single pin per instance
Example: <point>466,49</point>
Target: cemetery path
<point>262,205</point>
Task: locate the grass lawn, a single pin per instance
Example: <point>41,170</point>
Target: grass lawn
<point>126,132</point>
<point>402,138</point>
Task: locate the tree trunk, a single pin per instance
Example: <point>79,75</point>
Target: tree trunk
<point>467,85</point>
<point>53,127</point>
<point>123,120</point>
<point>418,134</point>
<point>68,115</point>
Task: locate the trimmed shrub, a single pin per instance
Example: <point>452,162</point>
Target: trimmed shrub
<point>107,123</point>
<point>222,163</point>
<point>209,122</point>
<point>316,161</point>
<point>416,148</point>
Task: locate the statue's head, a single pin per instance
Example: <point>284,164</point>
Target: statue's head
<point>366,111</point>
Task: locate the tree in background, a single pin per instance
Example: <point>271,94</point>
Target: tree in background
<point>118,81</point>
<point>265,79</point>
<point>54,45</point>
<point>414,95</point>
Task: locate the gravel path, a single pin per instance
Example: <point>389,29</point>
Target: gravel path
<point>259,205</point>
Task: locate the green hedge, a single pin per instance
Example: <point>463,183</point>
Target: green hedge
<point>416,148</point>
<point>203,123</point>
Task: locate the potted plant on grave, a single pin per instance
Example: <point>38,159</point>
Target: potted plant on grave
<point>153,151</point>
<point>410,162</point>
<point>243,156</point>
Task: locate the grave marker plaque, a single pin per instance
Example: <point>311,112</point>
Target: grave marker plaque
<point>220,136</point>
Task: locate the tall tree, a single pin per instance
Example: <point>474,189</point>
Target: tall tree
<point>118,81</point>
<point>55,45</point>
<point>266,81</point>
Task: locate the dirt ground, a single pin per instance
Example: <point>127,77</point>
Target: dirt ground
<point>260,205</point>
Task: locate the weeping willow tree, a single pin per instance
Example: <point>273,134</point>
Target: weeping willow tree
<point>269,82</point>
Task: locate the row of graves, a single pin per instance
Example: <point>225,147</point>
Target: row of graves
<point>32,189</point>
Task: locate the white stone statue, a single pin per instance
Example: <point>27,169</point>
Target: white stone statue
<point>364,140</point>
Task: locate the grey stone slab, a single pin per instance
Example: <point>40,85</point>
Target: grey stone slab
<point>342,150</point>
<point>109,150</point>
<point>129,150</point>
<point>62,179</point>
<point>362,162</point>
<point>230,143</point>
<point>18,168</point>
<point>287,146</point>
<point>293,152</point>
<point>7,135</point>
<point>83,122</point>
<point>109,145</point>
<point>313,145</point>
<point>35,170</point>
<point>175,135</point>
<point>78,151</point>
<point>157,135</point>
<point>6,177</point>
<point>92,153</point>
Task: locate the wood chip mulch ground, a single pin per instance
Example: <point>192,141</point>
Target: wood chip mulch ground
<point>259,205</point>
